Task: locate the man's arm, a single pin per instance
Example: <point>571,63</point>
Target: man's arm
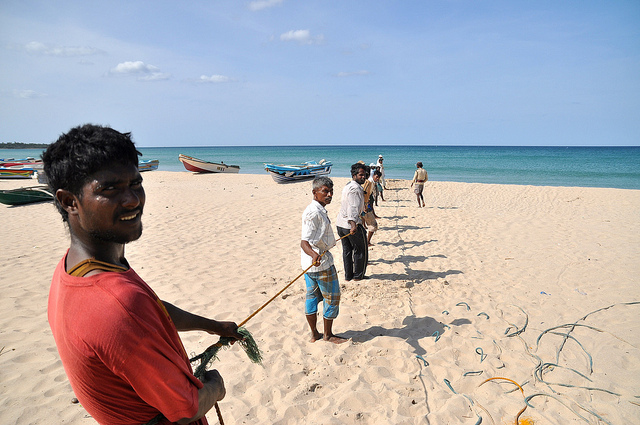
<point>212,392</point>
<point>354,226</point>
<point>354,201</point>
<point>213,389</point>
<point>306,247</point>
<point>185,321</point>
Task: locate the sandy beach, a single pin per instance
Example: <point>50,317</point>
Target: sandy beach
<point>480,284</point>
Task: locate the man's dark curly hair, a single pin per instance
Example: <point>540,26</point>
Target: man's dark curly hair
<point>357,167</point>
<point>82,151</point>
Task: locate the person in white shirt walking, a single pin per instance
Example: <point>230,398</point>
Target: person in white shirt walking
<point>380,166</point>
<point>321,279</point>
<point>349,222</point>
<point>419,177</point>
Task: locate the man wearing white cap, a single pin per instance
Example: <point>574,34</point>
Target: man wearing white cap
<point>381,167</point>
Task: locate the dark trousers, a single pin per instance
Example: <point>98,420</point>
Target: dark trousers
<point>355,252</point>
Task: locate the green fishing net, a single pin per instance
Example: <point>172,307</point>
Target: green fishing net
<point>248,344</point>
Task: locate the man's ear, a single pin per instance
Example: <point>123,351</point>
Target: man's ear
<point>67,200</point>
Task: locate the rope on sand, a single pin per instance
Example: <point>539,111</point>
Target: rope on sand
<point>463,304</point>
<point>481,353</point>
<point>556,398</point>
<point>514,383</point>
<point>589,314</point>
<point>247,342</point>
<point>517,331</point>
<point>419,357</point>
<point>479,421</point>
<point>541,367</point>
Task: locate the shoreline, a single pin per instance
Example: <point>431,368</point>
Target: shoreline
<point>221,245</point>
<point>13,183</point>
<point>539,166</point>
<point>16,183</point>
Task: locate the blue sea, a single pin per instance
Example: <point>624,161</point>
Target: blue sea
<point>613,167</point>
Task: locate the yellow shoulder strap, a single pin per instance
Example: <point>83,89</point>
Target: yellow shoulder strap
<point>90,264</point>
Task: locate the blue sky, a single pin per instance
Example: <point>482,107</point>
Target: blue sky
<point>284,72</point>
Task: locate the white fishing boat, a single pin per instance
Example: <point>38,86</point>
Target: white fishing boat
<point>201,166</point>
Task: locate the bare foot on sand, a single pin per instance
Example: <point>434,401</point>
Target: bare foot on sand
<point>336,339</point>
<point>316,337</point>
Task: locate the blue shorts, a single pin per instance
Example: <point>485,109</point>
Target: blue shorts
<point>323,287</point>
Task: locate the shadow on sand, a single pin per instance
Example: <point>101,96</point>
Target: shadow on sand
<point>403,228</point>
<point>412,331</point>
<point>405,244</point>
<point>414,276</point>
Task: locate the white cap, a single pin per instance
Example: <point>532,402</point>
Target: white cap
<point>379,156</point>
<point>372,165</point>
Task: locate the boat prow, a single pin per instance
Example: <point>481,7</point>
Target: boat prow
<point>201,166</point>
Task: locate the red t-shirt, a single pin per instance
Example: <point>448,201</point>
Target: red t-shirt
<point>119,348</point>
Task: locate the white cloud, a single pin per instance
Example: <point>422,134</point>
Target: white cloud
<point>143,71</point>
<point>302,37</point>
<point>214,79</point>
<point>22,94</point>
<point>36,47</point>
<point>351,74</point>
<point>264,4</point>
<point>137,67</point>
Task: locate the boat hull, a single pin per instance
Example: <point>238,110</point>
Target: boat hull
<point>295,173</point>
<point>200,166</point>
<point>34,163</point>
<point>25,195</point>
<point>16,173</point>
<point>148,165</point>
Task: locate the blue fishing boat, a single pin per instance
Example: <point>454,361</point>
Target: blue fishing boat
<point>148,164</point>
<point>292,173</point>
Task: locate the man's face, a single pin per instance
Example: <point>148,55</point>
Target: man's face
<point>376,178</point>
<point>361,176</point>
<point>111,203</point>
<point>323,195</point>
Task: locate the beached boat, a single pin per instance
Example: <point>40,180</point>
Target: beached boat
<point>36,164</point>
<point>16,173</point>
<point>25,195</point>
<point>29,159</point>
<point>293,173</point>
<point>148,165</point>
<point>202,166</point>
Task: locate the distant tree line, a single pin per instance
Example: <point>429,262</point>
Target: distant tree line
<point>21,145</point>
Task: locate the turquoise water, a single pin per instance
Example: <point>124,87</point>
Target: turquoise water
<point>615,167</point>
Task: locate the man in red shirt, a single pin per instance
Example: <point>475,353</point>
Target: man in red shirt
<point>118,341</point>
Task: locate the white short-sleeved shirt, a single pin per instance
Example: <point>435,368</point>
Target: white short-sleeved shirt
<point>352,205</point>
<point>316,229</point>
